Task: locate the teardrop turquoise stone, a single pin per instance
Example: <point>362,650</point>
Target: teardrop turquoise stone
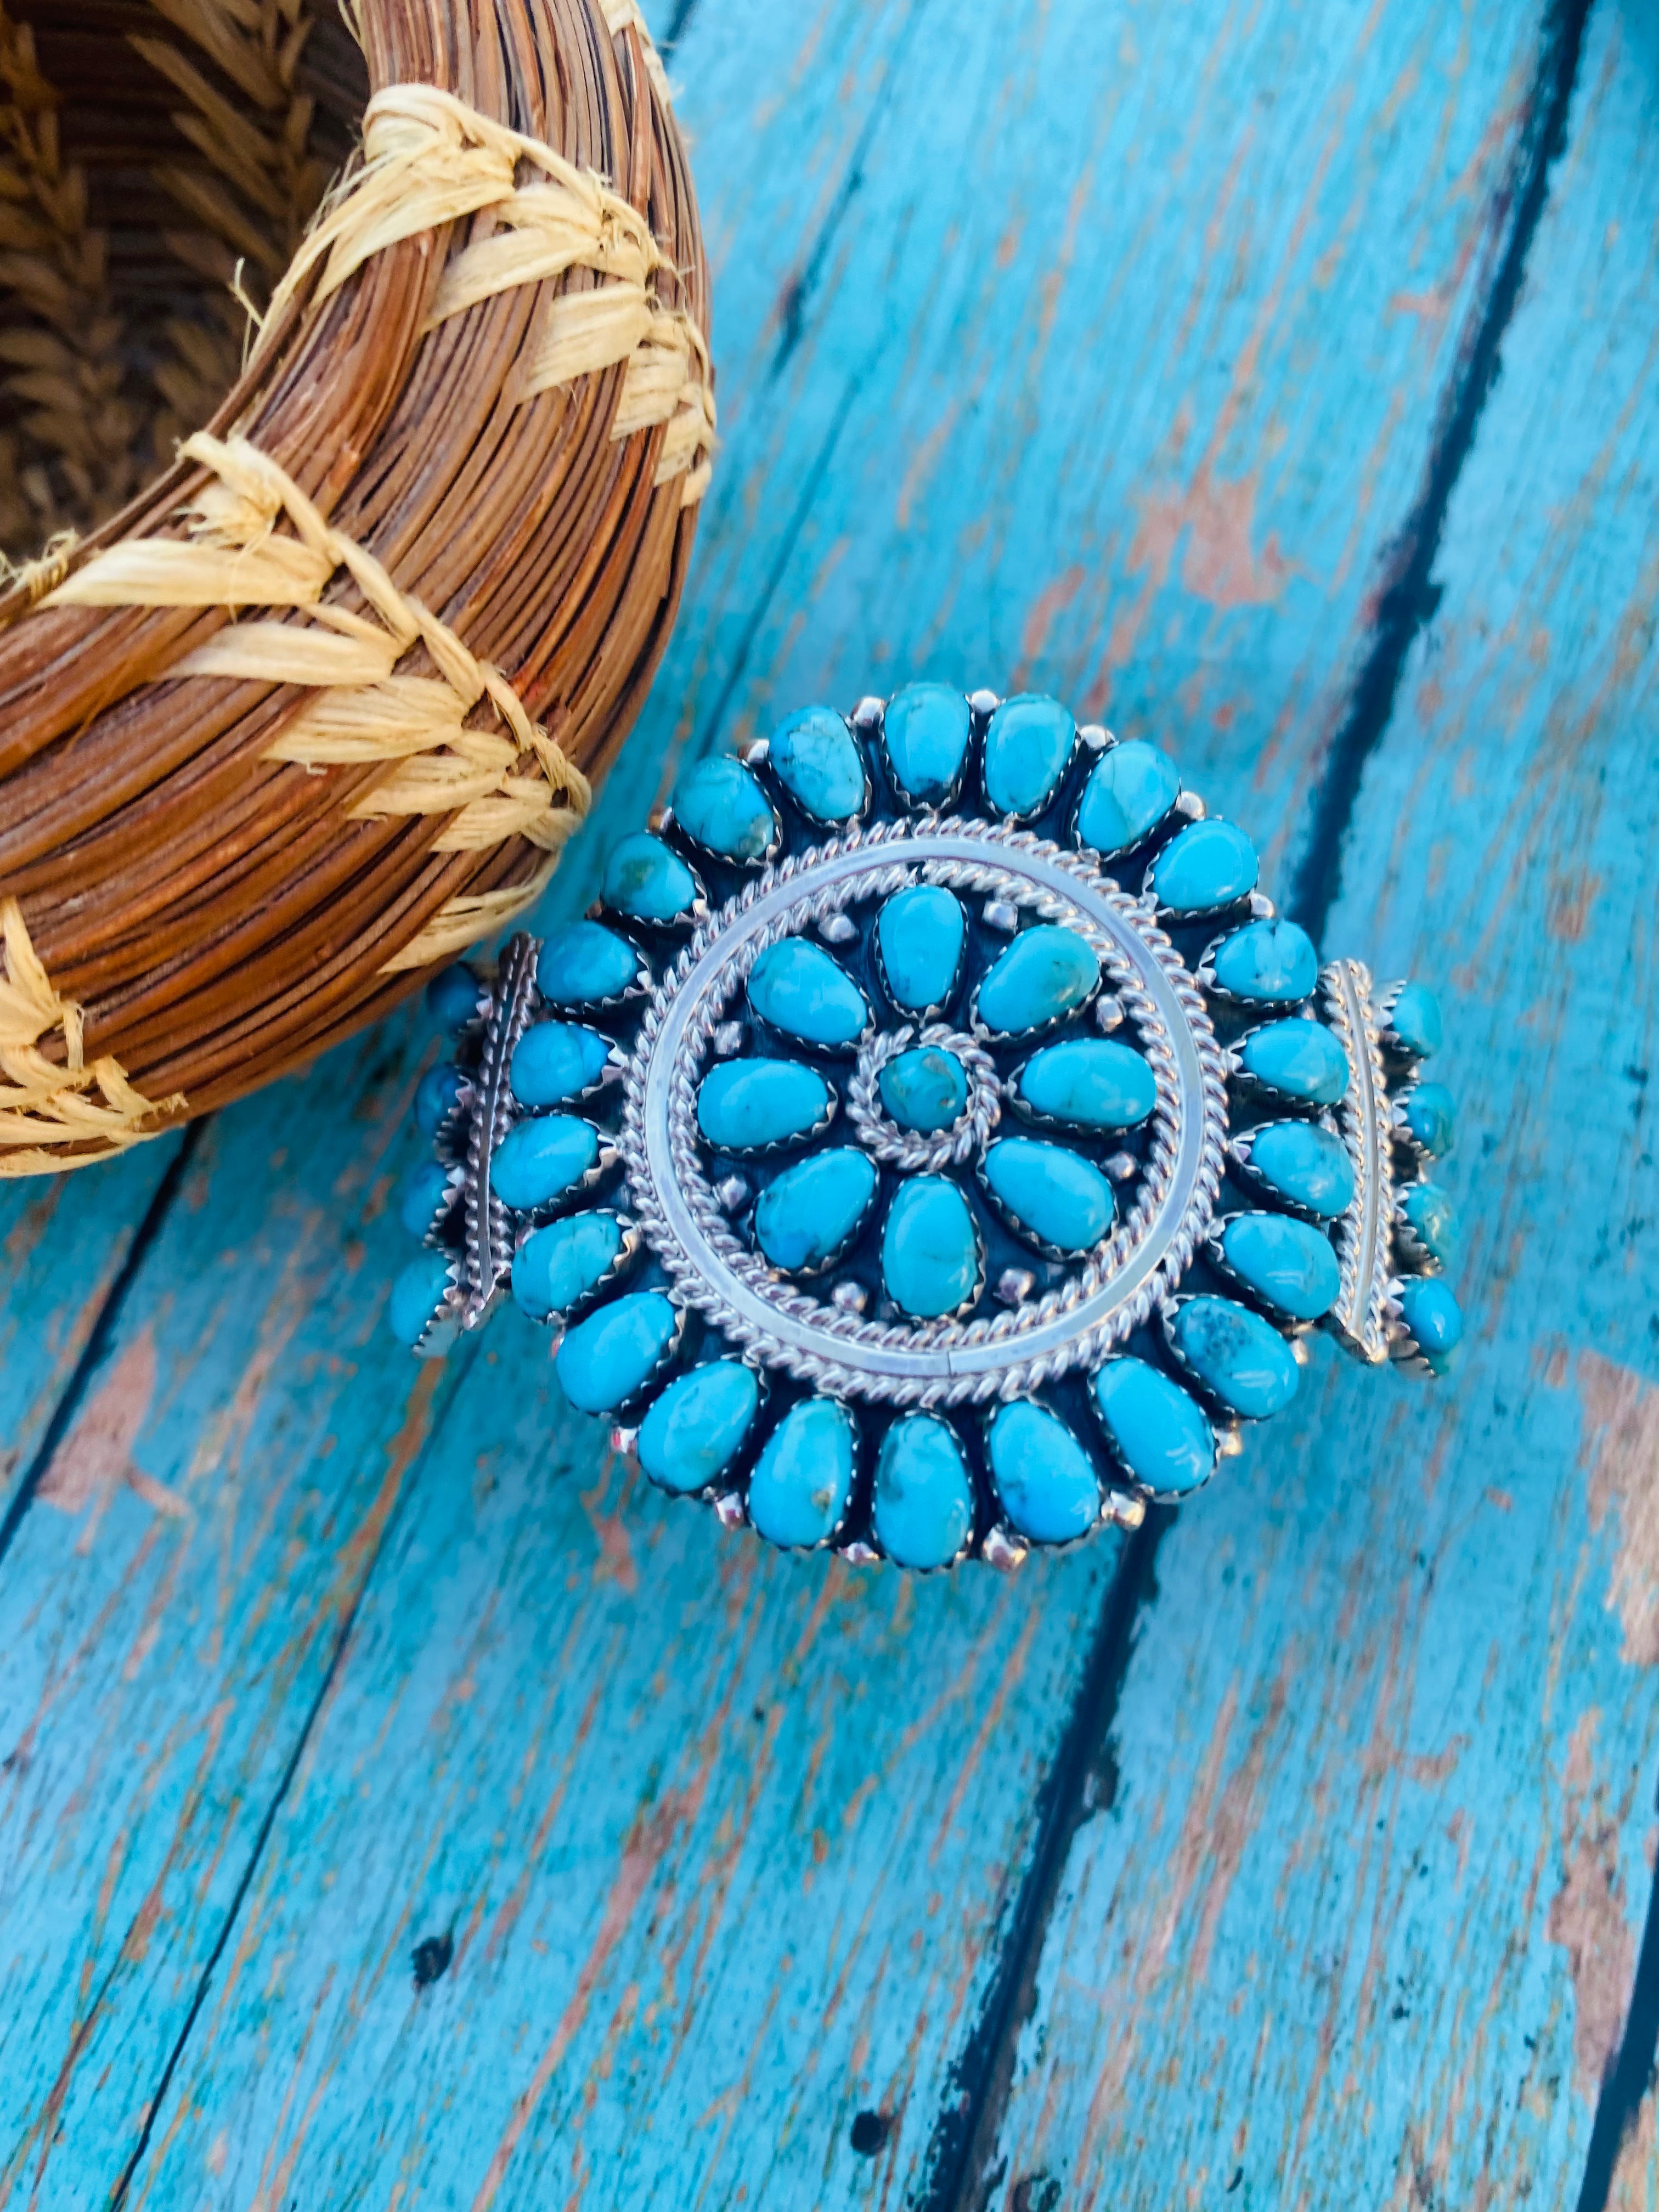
<point>1130,790</point>
<point>799,988</point>
<point>608,1359</point>
<point>1205,866</point>
<point>746,1105</point>
<point>926,731</point>
<point>1414,1019</point>
<point>815,758</point>
<point>929,1248</point>
<point>918,936</point>
<point>1238,1357</point>
<point>804,1217</point>
<point>1305,1164</point>
<point>924,1498</point>
<point>1299,1060</point>
<point>436,1095</point>
<point>1027,746</point>
<point>415,1296</point>
<point>1267,963</point>
<point>647,879</point>
<point>803,1478</point>
<point>1046,1480</point>
<point>697,1428</point>
<point>1157,1435</point>
<point>555,1061</point>
<point>1046,972</point>
<point>1430,1117</point>
<point>719,803</point>
<point>556,1267</point>
<point>1088,1083</point>
<point>585,964</point>
<point>539,1160</point>
<point>1289,1265</point>
<point>454,996</point>
<point>924,1089</point>
<point>1433,1216</point>
<point>1059,1197</point>
<point>1435,1320</point>
<point>424,1191</point>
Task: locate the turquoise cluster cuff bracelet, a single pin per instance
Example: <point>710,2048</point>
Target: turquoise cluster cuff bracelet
<point>933,1144</point>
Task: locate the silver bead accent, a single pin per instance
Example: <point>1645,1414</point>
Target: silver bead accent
<point>1126,1509</point>
<point>1229,1441</point>
<point>984,703</point>
<point>1003,914</point>
<point>732,1193</point>
<point>1095,736</point>
<point>851,1297</point>
<point>758,754</point>
<point>1122,1167</point>
<point>1015,1286</point>
<point>859,1554</point>
<point>624,1440</point>
<point>837,929</point>
<point>1261,907</point>
<point>1003,1550</point>
<point>1108,1012</point>
<point>731,1510</point>
<point>1191,805</point>
<point>728,1039</point>
<point>869,714</point>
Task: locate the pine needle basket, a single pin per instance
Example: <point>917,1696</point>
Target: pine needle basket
<point>365,507</point>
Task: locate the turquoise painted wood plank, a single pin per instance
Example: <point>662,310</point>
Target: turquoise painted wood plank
<point>1358,1924</point>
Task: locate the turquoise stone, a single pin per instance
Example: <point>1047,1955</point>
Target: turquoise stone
<point>1046,1480</point>
<point>436,1095</point>
<point>1131,789</point>
<point>610,1358</point>
<point>1205,866</point>
<point>1088,1083</point>
<point>1430,1116</point>
<point>1414,1019</point>
<point>422,1192</point>
<point>920,934</point>
<point>1433,1218</point>
<point>1027,746</point>
<point>925,732</point>
<point>805,1217</point>
<point>415,1296</point>
<point>929,1248</point>
<point>555,1061</point>
<point>924,1500</point>
<point>556,1267</point>
<point>1158,1435</point>
<point>719,803</point>
<point>1241,1359</point>
<point>925,1089</point>
<point>816,758</point>
<point>1298,1059</point>
<point>585,964</point>
<point>453,996</point>
<point>746,1105</point>
<point>540,1160</point>
<point>1057,1196</point>
<point>799,988</point>
<point>803,1479</point>
<point>1289,1265</point>
<point>1305,1164</point>
<point>1045,973</point>
<point>697,1428</point>
<point>1435,1320</point>
<point>647,879</point>
<point>1267,963</point>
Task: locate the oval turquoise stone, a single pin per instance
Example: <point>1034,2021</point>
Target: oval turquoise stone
<point>697,1427</point>
<point>608,1359</point>
<point>454,995</point>
<point>555,1061</point>
<point>539,1160</point>
<point>924,1498</point>
<point>719,804</point>
<point>1045,973</point>
<point>1414,1019</point>
<point>1289,1265</point>
<point>799,988</point>
<point>1204,867</point>
<point>437,1096</point>
<point>920,934</point>
<point>1434,1219</point>
<point>1270,962</point>
<point>424,1192</point>
<point>1057,1196</point>
<point>929,1248</point>
<point>804,1217</point>
<point>556,1267</point>
<point>1298,1059</point>
<point>816,758</point>
<point>803,1478</point>
<point>746,1105</point>
<point>1130,790</point>
<point>926,731</point>
<point>1027,747</point>
<point>647,879</point>
<point>1046,1480</point>
<point>924,1089</point>
<point>585,964</point>
<point>417,1295</point>
<point>1430,1116</point>
<point>1158,1435</point>
<point>1305,1164</point>
<point>1239,1357</point>
<point>1434,1318</point>
<point>1088,1083</point>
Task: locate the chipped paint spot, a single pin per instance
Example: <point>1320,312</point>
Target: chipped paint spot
<point>1621,1453</point>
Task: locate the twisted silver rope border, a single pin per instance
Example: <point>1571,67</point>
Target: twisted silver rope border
<point>1363,1235</point>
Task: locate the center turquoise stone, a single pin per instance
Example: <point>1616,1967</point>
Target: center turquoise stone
<point>925,1089</point>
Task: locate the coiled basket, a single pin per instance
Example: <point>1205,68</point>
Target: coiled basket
<point>345,521</point>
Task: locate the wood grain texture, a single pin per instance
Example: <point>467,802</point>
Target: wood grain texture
<point>1358,1924</point>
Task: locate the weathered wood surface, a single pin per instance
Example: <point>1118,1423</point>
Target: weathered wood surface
<point>1108,349</point>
